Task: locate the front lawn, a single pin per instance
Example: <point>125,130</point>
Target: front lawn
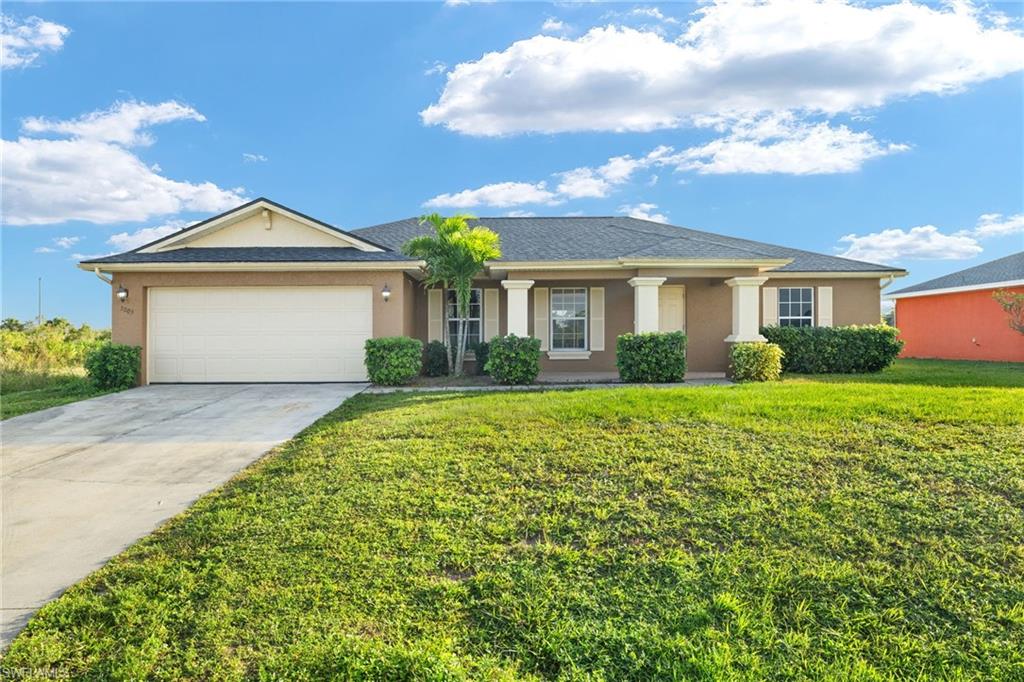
<point>29,391</point>
<point>807,529</point>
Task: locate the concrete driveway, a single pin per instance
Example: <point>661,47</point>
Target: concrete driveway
<point>82,482</point>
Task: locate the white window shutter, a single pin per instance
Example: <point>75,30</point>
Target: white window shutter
<point>435,315</point>
<point>540,316</point>
<point>490,314</point>
<point>596,318</point>
<point>824,306</point>
<point>769,307</point>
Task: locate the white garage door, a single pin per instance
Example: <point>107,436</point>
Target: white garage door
<point>199,334</point>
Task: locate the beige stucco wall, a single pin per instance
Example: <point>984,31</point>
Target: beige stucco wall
<point>854,301</point>
<point>708,306</point>
<point>251,231</point>
<point>128,319</point>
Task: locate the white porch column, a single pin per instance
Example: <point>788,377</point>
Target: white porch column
<point>645,303</point>
<point>745,300</point>
<point>518,320</point>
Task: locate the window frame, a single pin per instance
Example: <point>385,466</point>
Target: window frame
<point>795,318</point>
<point>447,320</point>
<point>585,318</point>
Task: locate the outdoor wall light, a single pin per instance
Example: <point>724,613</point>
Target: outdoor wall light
<point>386,293</point>
<point>122,294</point>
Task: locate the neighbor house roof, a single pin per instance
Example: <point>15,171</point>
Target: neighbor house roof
<point>620,237</point>
<point>1000,272</point>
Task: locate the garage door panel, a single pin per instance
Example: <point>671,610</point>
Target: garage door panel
<point>259,333</point>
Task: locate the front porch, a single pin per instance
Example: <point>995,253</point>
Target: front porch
<point>578,314</point>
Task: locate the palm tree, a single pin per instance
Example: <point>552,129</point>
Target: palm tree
<point>454,255</point>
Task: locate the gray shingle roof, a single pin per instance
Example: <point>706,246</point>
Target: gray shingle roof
<point>611,237</point>
<point>523,239</point>
<point>1005,269</point>
<point>254,254</point>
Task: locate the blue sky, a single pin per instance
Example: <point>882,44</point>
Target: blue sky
<point>798,123</point>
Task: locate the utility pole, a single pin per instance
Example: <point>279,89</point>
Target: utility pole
<point>39,317</point>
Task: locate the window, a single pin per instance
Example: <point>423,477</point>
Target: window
<point>476,297</point>
<point>568,319</point>
<point>796,307</point>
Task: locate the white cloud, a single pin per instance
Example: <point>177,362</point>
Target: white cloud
<point>737,58</point>
<point>643,211</point>
<point>22,42</point>
<point>924,242</point>
<point>520,214</point>
<point>997,225</point>
<point>552,25</point>
<point>436,69</point>
<point>44,249</point>
<point>928,242</point>
<point>126,241</point>
<point>780,144</point>
<point>775,144</point>
<point>455,3</point>
<point>89,256</point>
<point>122,123</point>
<point>66,242</point>
<point>500,194</point>
<point>94,176</point>
<point>583,182</point>
<point>653,13</point>
<point>254,158</point>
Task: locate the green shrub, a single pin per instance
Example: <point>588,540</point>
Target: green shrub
<point>513,359</point>
<point>481,351</point>
<point>835,350</point>
<point>435,359</point>
<point>393,360</point>
<point>654,357</point>
<point>755,361</point>
<point>114,365</point>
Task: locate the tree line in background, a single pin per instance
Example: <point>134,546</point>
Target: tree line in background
<point>56,345</point>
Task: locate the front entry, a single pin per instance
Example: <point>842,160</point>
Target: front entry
<point>672,308</point>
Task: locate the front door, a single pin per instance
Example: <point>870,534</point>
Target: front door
<point>672,308</point>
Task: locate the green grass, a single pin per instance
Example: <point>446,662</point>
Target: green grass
<point>23,392</point>
<point>868,528</point>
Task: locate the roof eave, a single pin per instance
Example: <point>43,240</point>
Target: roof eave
<point>631,262</point>
<point>248,266</point>
<point>836,274</point>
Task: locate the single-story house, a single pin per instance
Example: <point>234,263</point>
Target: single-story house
<point>265,293</point>
<point>955,316</point>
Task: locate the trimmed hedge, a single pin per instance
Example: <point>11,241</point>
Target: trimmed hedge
<point>755,361</point>
<point>835,350</point>
<point>513,359</point>
<point>393,360</point>
<point>654,357</point>
<point>435,359</point>
<point>114,366</point>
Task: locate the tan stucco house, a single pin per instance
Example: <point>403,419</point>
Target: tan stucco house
<point>265,293</point>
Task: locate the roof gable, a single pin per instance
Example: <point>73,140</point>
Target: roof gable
<point>260,224</point>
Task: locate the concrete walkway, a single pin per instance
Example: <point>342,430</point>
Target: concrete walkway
<point>82,482</point>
